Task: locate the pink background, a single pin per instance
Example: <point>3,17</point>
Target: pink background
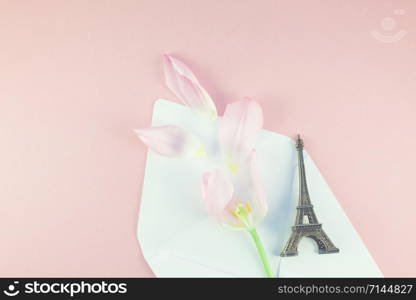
<point>77,76</point>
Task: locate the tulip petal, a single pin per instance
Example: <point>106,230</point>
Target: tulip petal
<point>239,128</point>
<point>179,67</point>
<point>217,192</point>
<point>220,200</point>
<point>183,83</point>
<point>171,141</point>
<point>248,187</point>
<point>259,195</point>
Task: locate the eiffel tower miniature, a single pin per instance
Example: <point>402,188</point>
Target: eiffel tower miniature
<point>310,227</point>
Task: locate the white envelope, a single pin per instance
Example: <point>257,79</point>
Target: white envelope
<point>179,239</point>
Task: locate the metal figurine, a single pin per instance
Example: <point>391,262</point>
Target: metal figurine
<point>311,228</point>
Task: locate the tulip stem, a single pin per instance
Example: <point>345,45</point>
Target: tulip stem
<point>261,251</point>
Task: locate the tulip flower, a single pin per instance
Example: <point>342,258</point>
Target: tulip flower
<point>171,141</point>
<point>238,201</point>
<point>183,83</point>
<point>235,196</point>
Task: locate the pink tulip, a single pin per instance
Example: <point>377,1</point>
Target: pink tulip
<point>171,141</point>
<point>183,83</point>
<point>238,131</point>
<point>236,201</point>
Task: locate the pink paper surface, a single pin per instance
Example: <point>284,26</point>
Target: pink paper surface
<point>77,76</point>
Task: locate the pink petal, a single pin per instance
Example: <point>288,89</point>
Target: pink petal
<point>239,128</point>
<point>260,200</point>
<point>248,187</point>
<point>171,141</point>
<point>217,192</point>
<point>177,66</point>
<point>183,83</point>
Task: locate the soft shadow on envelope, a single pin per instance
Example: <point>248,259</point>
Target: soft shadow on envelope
<point>179,239</point>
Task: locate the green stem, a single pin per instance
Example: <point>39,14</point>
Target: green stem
<point>261,251</point>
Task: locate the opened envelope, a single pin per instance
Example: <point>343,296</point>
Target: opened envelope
<point>179,239</point>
